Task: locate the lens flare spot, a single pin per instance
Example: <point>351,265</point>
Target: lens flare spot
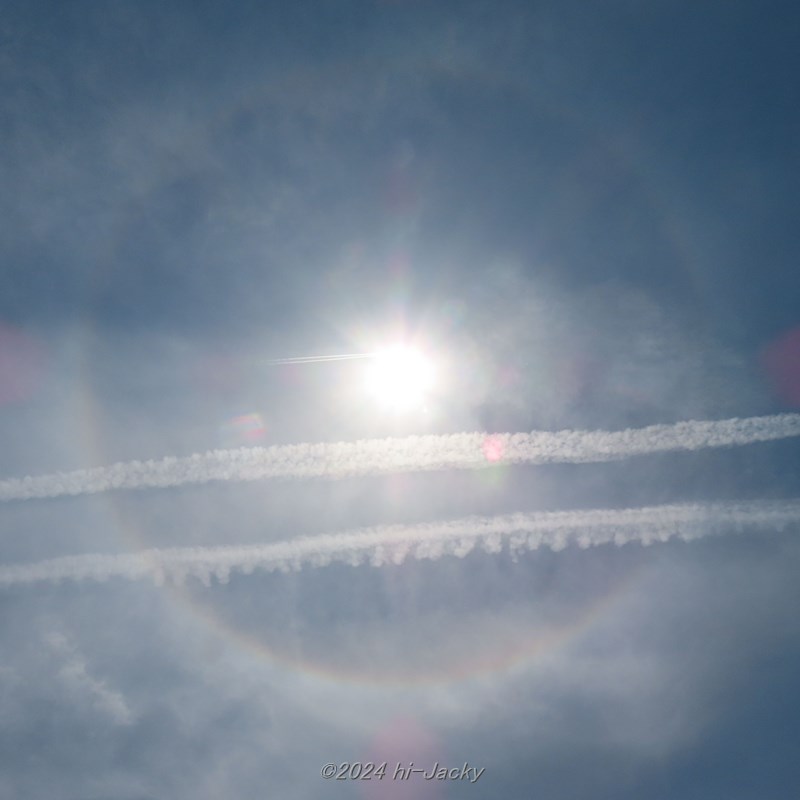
<point>242,430</point>
<point>493,448</point>
<point>404,744</point>
<point>22,365</point>
<point>781,360</point>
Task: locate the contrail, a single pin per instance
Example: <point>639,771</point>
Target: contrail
<point>392,544</point>
<point>409,454</point>
<point>273,362</point>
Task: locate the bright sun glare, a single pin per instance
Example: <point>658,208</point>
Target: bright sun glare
<point>400,378</point>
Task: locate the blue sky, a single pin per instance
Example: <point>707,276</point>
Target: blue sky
<point>583,214</point>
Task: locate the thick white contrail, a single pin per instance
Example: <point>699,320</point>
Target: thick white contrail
<point>392,544</point>
<point>409,454</point>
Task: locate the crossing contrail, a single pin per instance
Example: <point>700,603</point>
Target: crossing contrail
<point>392,544</point>
<point>408,454</point>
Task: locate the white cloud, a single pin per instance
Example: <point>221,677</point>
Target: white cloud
<point>75,676</point>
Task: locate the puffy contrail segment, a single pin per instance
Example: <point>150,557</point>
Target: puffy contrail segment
<point>392,544</point>
<point>409,454</point>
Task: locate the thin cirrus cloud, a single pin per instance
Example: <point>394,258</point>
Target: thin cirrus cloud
<point>408,454</point>
<point>392,544</point>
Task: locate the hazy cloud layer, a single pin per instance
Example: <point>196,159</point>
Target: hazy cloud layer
<point>584,213</point>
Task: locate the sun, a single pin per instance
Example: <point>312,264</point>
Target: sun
<point>400,378</point>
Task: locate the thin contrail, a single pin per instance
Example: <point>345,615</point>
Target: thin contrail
<point>392,544</point>
<point>409,454</point>
<point>316,359</point>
